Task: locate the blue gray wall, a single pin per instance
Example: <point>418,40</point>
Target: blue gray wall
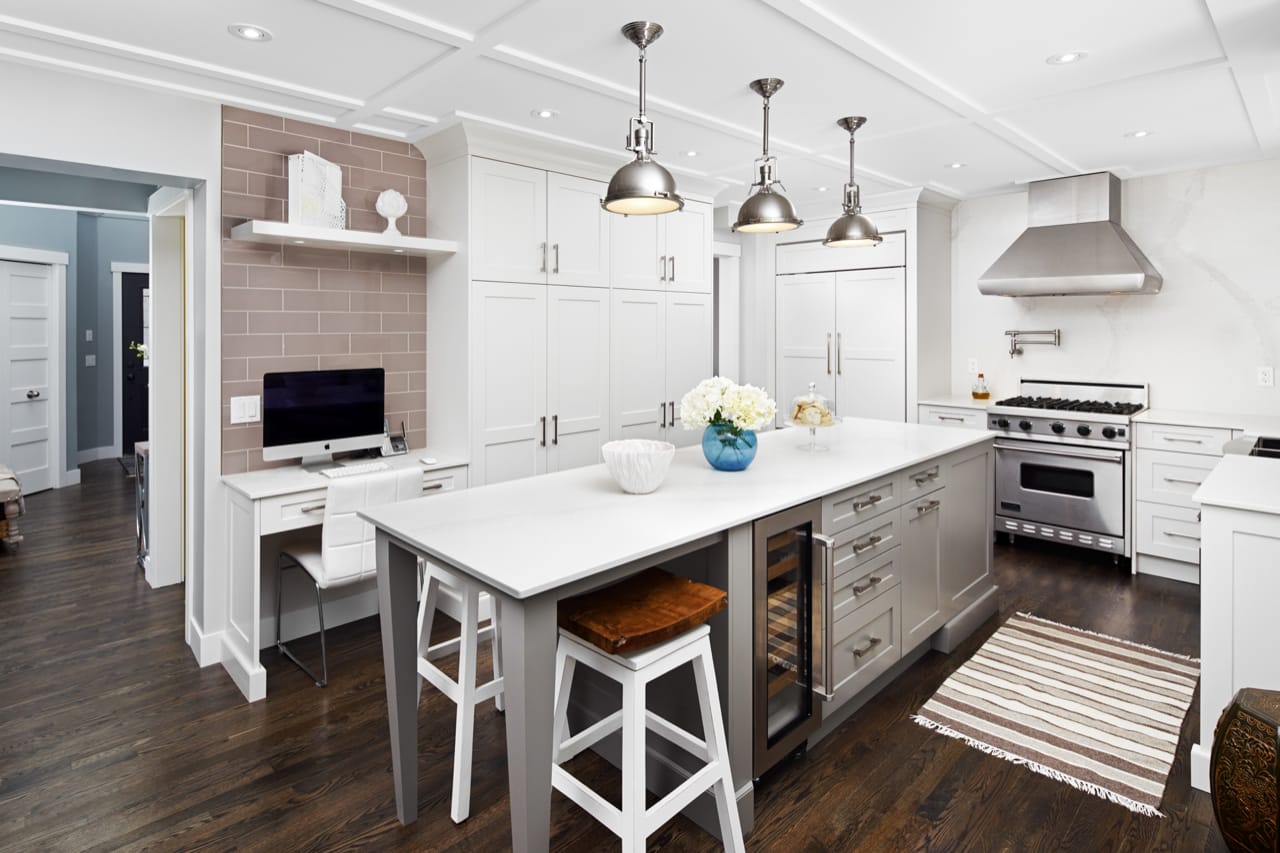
<point>92,243</point>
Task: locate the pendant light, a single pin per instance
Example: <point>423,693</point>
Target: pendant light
<point>852,229</point>
<point>767,211</point>
<point>642,186</point>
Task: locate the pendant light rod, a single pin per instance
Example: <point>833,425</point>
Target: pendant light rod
<point>852,200</point>
<point>766,87</point>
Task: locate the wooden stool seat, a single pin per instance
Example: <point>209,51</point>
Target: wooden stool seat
<point>641,611</point>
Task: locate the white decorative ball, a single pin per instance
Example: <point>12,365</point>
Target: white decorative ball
<point>391,206</point>
<point>638,465</point>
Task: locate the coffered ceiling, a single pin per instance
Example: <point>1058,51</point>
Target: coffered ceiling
<point>941,82</point>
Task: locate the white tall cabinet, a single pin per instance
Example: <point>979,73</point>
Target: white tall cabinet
<point>556,326</point>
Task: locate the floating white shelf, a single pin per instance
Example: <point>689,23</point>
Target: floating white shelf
<point>278,233</point>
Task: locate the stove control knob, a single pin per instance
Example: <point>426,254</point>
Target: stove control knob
<point>1024,425</point>
<point>1108,432</point>
<point>1003,423</point>
<point>1084,429</point>
<point>1058,427</point>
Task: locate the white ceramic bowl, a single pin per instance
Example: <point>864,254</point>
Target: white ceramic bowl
<point>638,465</point>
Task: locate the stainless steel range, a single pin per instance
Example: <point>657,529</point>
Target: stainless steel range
<point>1063,468</point>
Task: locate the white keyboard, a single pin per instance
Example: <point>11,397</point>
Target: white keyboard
<point>355,470</point>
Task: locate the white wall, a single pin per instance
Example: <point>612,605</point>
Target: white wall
<point>78,120</point>
<point>1214,235</point>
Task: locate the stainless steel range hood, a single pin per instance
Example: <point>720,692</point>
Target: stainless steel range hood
<point>1073,244</point>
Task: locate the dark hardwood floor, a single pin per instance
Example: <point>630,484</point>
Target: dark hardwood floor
<point>112,738</point>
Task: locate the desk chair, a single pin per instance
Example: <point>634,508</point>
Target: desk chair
<point>346,551</point>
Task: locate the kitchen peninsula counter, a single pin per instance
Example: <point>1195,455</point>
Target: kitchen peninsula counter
<point>534,541</point>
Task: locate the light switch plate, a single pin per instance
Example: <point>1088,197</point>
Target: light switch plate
<point>90,361</point>
<point>88,335</point>
<point>1266,377</point>
<point>245,410</point>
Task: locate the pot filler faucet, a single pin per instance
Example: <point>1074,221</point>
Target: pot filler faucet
<point>1018,338</point>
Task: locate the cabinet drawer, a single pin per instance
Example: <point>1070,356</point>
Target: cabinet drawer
<point>1172,532</point>
<point>956,417</point>
<point>1182,439</point>
<point>871,538</point>
<point>864,582</point>
<point>864,644</point>
<point>1171,478</point>
<point>920,481</point>
<point>847,508</point>
<point>289,512</point>
<point>443,480</point>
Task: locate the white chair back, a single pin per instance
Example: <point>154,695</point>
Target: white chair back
<point>348,546</point>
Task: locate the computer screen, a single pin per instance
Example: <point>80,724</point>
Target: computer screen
<point>314,413</point>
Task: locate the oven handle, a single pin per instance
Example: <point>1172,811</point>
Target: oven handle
<point>1116,456</point>
<point>825,578</point>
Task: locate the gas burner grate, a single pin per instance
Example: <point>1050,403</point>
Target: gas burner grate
<point>1099,407</point>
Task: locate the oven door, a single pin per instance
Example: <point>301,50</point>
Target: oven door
<point>1077,487</point>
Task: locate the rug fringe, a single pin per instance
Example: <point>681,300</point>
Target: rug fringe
<point>1119,640</point>
<point>1036,767</point>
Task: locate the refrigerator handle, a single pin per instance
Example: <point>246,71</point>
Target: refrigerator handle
<point>824,569</point>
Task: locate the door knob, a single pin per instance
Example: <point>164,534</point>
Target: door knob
<point>129,376</point>
<point>31,395</point>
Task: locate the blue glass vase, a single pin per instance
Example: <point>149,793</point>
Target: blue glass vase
<point>727,451</point>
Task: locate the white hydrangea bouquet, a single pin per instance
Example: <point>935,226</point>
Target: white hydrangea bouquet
<point>723,402</point>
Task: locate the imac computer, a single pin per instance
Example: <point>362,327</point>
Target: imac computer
<point>313,414</point>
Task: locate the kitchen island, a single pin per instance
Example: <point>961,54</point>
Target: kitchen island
<point>532,542</point>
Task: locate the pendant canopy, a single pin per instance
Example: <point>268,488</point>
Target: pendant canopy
<point>853,229</point>
<point>766,211</point>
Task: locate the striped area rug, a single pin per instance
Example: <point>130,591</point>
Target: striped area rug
<point>1101,714</point>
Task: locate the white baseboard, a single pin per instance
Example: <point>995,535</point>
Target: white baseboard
<point>206,647</point>
<point>93,454</point>
<point>69,478</point>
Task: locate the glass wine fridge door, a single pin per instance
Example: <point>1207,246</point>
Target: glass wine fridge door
<point>785,710</point>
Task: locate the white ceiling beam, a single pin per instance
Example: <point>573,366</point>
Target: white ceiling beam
<point>1247,32</point>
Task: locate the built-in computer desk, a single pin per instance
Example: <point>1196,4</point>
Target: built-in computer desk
<point>263,507</point>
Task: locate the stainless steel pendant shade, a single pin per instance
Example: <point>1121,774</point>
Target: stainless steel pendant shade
<point>853,229</point>
<point>643,186</point>
<point>766,211</point>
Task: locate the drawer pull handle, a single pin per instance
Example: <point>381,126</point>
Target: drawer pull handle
<point>1184,440</point>
<point>1178,535</point>
<point>950,418</point>
<point>313,508</point>
<point>929,506</point>
<point>921,479</point>
<point>858,654</point>
<point>872,583</point>
<point>872,500</point>
<point>1186,480</point>
<point>431,487</point>
<point>872,541</point>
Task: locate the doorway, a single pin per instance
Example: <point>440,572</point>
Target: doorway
<point>131,306</point>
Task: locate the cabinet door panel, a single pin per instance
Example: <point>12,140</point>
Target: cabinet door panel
<point>638,386</point>
<point>688,248</point>
<point>508,363</point>
<point>633,255</point>
<point>578,230</point>
<point>966,543</point>
<point>806,337</point>
<point>921,558</point>
<point>688,356</point>
<point>509,222</point>
<point>577,375</point>
<point>871,348</point>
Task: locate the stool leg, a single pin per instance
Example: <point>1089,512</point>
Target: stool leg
<point>426,620</point>
<point>633,763</point>
<point>496,622</point>
<point>713,733</point>
<point>465,728</point>
<point>564,687</point>
<point>324,657</point>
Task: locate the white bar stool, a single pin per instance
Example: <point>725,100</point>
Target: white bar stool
<point>637,612</point>
<point>460,599</point>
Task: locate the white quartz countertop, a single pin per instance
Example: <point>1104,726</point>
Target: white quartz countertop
<point>292,479</point>
<point>957,401</point>
<point>528,536</point>
<point>1251,424</point>
<point>1243,482</point>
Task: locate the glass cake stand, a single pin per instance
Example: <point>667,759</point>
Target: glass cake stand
<point>811,411</point>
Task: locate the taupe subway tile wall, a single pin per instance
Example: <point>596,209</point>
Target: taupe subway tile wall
<point>299,308</point>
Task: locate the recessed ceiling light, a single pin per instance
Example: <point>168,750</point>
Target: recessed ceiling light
<point>691,153</point>
<point>956,165</point>
<point>299,242</point>
<point>820,189</point>
<point>1137,134</point>
<point>1066,58</point>
<point>250,32</point>
<point>398,251</point>
<point>543,113</point>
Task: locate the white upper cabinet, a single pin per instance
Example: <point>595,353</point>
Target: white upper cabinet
<point>806,337</point>
<point>577,375</point>
<point>870,356</point>
<point>671,251</point>
<point>688,356</point>
<point>538,227</point>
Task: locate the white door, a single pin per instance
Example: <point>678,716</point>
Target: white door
<point>508,363</point>
<point>577,375</point>
<point>689,356</point>
<point>871,344</point>
<point>634,255</point>
<point>637,368</point>
<point>688,248</point>
<point>578,228</point>
<point>509,222</point>
<point>26,339</point>
<point>805,338</point>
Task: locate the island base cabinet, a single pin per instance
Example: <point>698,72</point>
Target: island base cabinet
<point>922,611</point>
<point>964,572</point>
<point>865,643</point>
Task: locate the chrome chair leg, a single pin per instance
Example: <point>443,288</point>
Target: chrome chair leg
<point>324,659</point>
<point>280,646</point>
